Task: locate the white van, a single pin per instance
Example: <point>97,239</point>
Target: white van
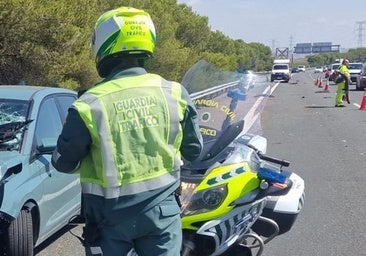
<point>281,70</point>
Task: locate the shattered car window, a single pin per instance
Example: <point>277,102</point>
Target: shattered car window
<point>13,115</point>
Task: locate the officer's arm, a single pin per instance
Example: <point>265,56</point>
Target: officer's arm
<point>192,144</point>
<point>345,74</point>
<point>73,144</point>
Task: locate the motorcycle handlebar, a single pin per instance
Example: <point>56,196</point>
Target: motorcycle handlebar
<point>274,159</point>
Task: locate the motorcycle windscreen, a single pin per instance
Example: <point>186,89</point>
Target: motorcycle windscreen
<point>221,111</point>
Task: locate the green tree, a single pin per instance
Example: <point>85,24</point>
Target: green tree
<point>47,42</point>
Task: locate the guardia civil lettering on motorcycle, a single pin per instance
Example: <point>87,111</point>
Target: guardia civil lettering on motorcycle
<point>235,199</point>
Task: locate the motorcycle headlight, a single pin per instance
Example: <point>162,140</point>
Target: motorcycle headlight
<point>202,201</point>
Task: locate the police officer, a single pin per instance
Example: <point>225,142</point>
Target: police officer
<point>126,136</point>
<point>343,86</point>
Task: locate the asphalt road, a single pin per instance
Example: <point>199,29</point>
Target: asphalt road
<point>327,147</point>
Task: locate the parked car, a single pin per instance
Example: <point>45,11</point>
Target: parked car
<point>355,69</point>
<point>35,200</point>
<point>361,79</point>
<point>318,69</point>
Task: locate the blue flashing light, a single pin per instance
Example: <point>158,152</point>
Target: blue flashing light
<point>271,175</point>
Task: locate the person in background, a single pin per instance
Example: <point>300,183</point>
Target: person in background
<point>343,86</point>
<point>126,136</point>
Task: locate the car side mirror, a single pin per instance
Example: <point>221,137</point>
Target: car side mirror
<point>47,145</point>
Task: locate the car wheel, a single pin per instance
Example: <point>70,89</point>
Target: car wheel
<point>20,235</point>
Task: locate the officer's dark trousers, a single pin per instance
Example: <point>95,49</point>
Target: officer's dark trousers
<point>154,232</point>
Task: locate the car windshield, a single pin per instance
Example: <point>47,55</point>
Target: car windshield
<point>13,117</point>
<point>280,67</point>
<point>335,66</point>
<point>355,66</point>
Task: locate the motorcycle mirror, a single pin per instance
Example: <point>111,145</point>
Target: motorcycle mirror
<point>227,136</point>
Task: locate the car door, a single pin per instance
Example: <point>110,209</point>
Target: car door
<point>61,192</point>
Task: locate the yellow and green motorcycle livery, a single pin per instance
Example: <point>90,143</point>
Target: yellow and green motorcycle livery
<point>234,198</point>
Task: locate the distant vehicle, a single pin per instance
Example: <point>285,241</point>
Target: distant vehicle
<point>355,69</point>
<point>318,69</point>
<point>361,79</point>
<point>35,200</point>
<point>301,68</point>
<point>295,70</point>
<point>281,70</point>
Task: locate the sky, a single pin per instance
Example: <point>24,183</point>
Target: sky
<point>284,23</point>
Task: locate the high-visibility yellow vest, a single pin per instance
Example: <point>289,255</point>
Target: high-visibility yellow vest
<point>344,70</point>
<point>134,123</point>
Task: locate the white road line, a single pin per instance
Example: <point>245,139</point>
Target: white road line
<point>250,118</point>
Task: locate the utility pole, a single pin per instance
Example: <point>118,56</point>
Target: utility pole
<point>360,33</point>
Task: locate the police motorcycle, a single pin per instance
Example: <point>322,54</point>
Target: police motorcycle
<point>234,198</point>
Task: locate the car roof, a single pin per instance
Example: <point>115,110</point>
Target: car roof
<point>26,92</point>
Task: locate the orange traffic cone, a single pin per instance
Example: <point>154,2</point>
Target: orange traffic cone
<point>316,82</point>
<point>326,88</point>
<point>363,103</point>
<point>320,85</point>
